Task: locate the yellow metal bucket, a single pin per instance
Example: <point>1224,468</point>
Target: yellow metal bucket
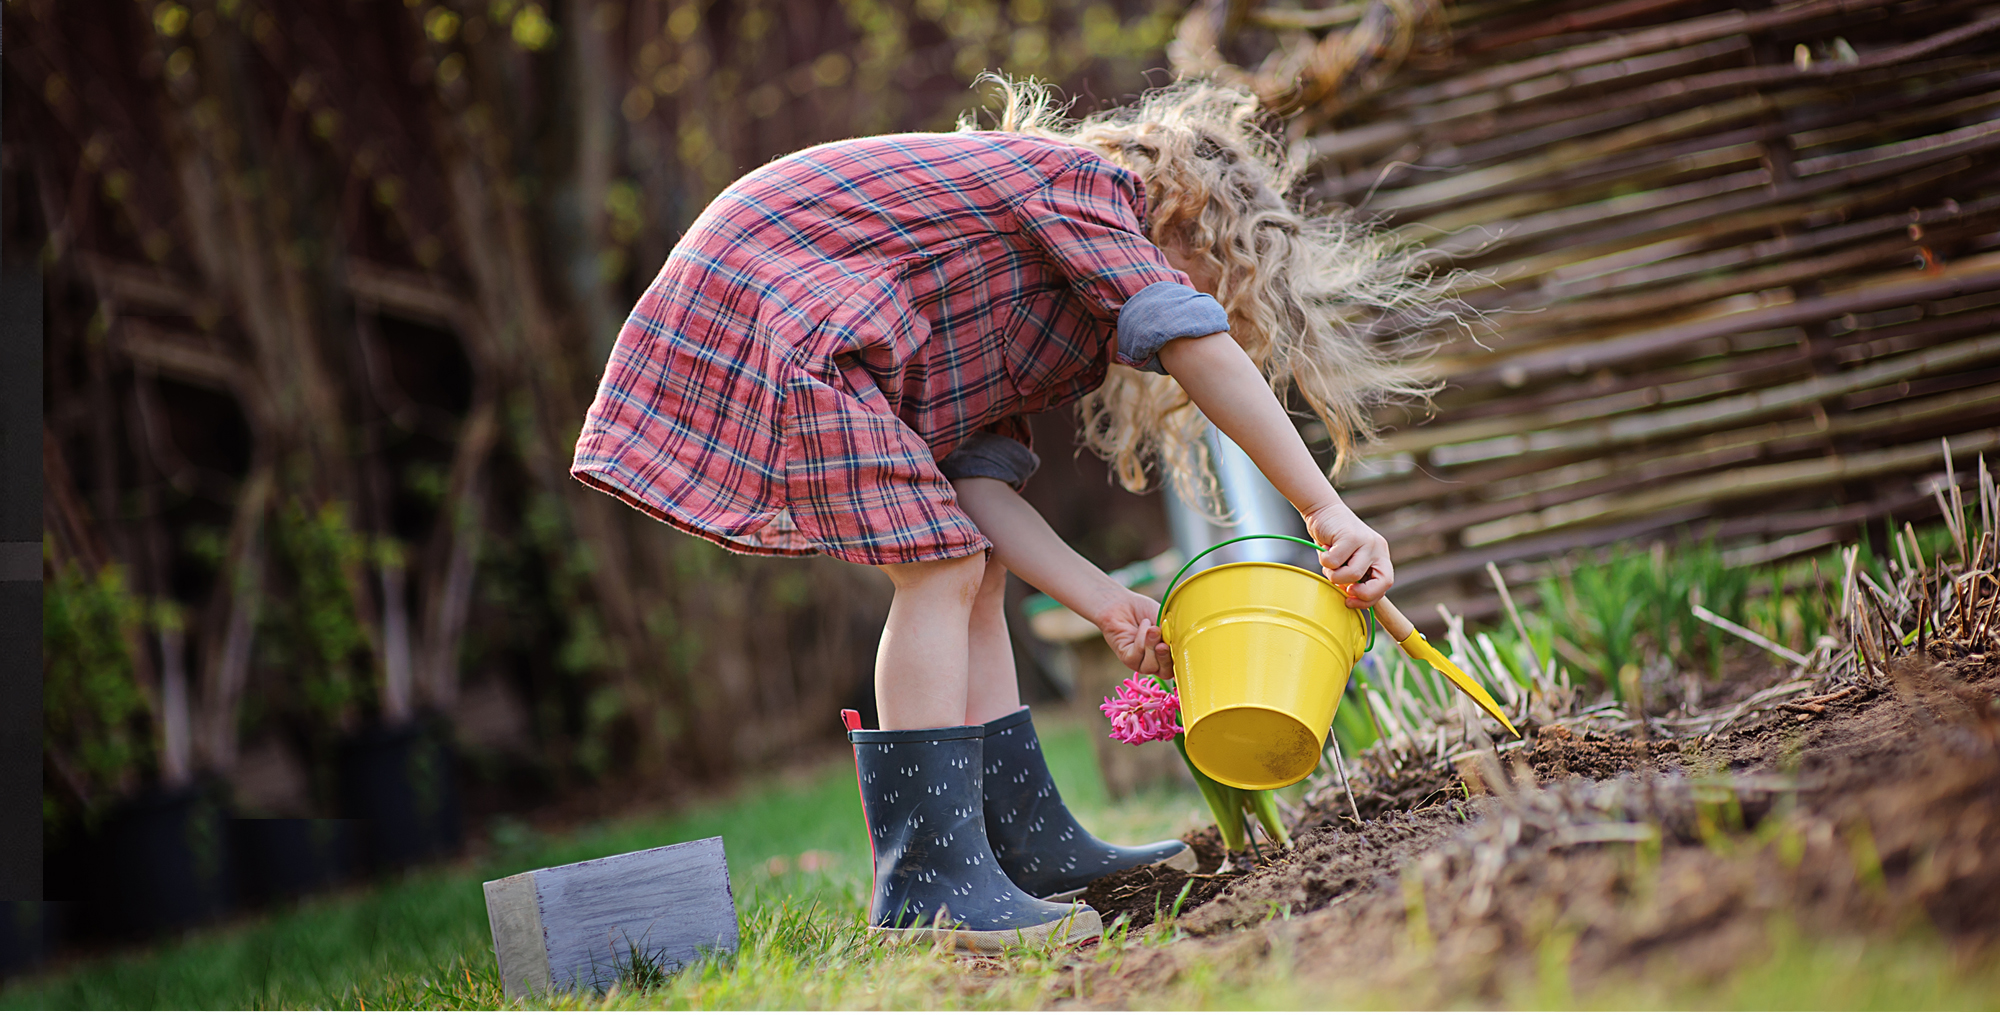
<point>1262,653</point>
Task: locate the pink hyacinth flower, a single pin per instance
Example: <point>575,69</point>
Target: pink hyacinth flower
<point>1141,711</point>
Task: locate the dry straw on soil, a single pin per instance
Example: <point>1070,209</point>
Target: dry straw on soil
<point>1741,262</point>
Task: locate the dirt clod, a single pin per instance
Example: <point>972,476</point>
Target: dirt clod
<point>1558,753</point>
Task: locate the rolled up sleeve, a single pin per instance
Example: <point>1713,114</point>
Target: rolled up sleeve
<point>992,456</point>
<point>1162,312</point>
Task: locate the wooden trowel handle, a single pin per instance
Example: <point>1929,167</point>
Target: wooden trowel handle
<point>1392,620</point>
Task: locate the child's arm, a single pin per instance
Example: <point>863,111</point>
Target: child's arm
<point>1228,388</point>
<point>1025,545</point>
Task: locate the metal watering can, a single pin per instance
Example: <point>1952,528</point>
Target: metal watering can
<point>1262,653</point>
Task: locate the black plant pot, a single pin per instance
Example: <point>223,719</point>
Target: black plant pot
<point>159,863</point>
<point>284,858</point>
<point>401,782</point>
<point>27,935</point>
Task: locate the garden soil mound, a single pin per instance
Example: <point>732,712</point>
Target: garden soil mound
<point>1877,807</point>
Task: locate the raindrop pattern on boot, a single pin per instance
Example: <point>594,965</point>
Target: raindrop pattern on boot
<point>926,825</point>
<point>1035,838</point>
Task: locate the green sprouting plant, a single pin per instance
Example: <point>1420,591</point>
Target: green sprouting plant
<point>1697,574</point>
<point>92,704</point>
<point>1606,603</point>
<point>1231,807</point>
<point>1792,609</point>
<point>1629,604</point>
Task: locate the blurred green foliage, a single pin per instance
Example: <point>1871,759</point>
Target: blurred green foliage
<point>582,138</point>
<point>94,711</point>
<point>314,632</point>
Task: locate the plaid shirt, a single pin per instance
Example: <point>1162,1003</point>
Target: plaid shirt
<point>841,318</point>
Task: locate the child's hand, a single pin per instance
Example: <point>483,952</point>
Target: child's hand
<point>1354,555</point>
<point>1129,629</point>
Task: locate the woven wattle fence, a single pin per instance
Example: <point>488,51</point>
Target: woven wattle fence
<point>1740,266</point>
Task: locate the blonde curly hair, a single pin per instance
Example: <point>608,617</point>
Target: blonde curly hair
<point>1324,306</point>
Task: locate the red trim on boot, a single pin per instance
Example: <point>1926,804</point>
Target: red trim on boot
<point>852,720</point>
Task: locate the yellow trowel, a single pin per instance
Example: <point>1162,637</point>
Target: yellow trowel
<point>1413,645</point>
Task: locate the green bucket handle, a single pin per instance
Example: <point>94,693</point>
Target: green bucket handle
<point>1161,619</point>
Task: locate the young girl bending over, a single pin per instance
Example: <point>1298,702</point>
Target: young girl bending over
<point>839,356</point>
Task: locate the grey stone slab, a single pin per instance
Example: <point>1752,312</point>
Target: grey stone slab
<point>581,925</point>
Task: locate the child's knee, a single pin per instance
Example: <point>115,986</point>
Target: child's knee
<point>993,583</point>
<point>960,579</point>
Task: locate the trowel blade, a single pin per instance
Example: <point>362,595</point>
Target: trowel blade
<point>1417,648</point>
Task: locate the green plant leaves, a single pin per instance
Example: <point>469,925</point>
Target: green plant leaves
<point>92,704</point>
<point>320,634</point>
<point>1229,805</point>
<point>1616,611</point>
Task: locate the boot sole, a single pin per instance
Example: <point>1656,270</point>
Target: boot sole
<point>1085,926</point>
<point>1184,860</point>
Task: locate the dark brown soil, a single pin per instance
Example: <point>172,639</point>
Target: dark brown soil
<point>1865,811</point>
<point>1208,849</point>
<point>1405,790</point>
<point>1557,753</point>
<point>1327,863</point>
<point>1145,895</point>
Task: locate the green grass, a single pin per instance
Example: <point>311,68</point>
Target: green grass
<point>1911,969</point>
<point>340,950</point>
<point>422,939</point>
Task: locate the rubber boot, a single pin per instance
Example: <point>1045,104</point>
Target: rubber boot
<point>1037,840</point>
<point>935,875</point>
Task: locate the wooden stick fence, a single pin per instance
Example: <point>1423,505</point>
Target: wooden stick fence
<point>1740,267</point>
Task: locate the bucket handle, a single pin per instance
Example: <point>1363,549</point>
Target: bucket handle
<point>1161,619</point>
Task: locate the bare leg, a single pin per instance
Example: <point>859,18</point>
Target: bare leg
<point>920,668</point>
<point>992,690</point>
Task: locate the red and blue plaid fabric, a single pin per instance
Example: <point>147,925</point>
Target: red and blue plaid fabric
<point>841,318</point>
